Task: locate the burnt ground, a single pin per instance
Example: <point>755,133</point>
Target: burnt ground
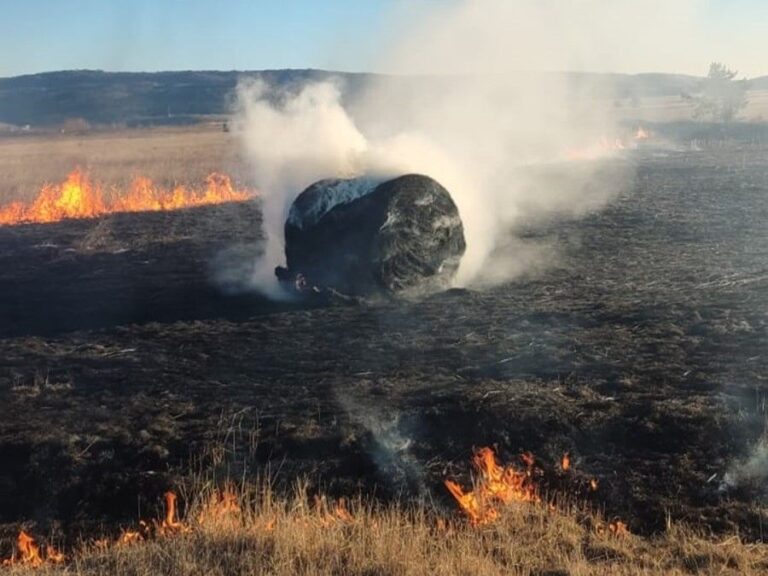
<point>640,350</point>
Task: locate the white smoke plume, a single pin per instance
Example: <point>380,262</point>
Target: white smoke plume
<point>389,445</point>
<point>477,124</point>
<point>291,144</point>
<point>752,471</point>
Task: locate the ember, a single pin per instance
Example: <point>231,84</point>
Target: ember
<point>79,197</point>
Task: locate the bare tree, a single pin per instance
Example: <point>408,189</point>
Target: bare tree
<point>722,97</point>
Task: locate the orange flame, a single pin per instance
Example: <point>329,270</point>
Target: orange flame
<point>565,462</point>
<point>618,529</point>
<point>495,483</point>
<point>171,523</point>
<point>79,197</point>
<point>28,550</point>
<point>128,537</point>
<point>29,553</point>
<point>340,511</point>
<point>606,146</point>
<point>222,505</point>
<point>54,556</point>
<point>338,514</point>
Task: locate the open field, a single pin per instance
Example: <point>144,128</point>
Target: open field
<point>639,350</point>
<point>185,155</point>
<point>674,108</point>
<point>168,156</point>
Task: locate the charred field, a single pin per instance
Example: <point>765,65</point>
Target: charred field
<point>639,349</point>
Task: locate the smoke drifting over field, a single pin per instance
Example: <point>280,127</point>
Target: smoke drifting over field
<point>305,138</point>
<point>477,125</point>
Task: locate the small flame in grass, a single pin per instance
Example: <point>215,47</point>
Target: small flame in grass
<point>28,553</point>
<point>494,484</point>
<point>605,146</point>
<point>222,505</point>
<point>171,523</point>
<point>126,538</point>
<point>79,197</point>
<point>616,528</point>
<point>54,556</point>
<point>340,512</point>
<point>329,515</point>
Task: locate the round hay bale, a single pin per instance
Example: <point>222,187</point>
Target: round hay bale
<point>362,236</point>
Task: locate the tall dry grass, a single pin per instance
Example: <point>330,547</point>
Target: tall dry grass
<point>296,536</point>
<point>167,156</point>
<point>272,532</point>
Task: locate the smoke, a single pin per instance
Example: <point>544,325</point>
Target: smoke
<point>752,471</point>
<point>388,443</point>
<point>491,134</point>
<point>305,137</point>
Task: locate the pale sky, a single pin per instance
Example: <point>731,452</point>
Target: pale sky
<point>354,35</point>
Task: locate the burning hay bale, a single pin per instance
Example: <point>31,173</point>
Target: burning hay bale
<point>363,236</point>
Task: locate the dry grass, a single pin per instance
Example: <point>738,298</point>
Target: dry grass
<point>167,156</point>
<point>675,108</point>
<point>272,535</point>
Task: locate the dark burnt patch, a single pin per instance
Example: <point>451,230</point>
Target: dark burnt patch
<point>640,353</point>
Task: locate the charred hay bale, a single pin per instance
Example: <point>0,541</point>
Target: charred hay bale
<point>362,236</point>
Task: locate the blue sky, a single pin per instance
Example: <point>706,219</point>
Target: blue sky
<point>42,35</point>
<point>39,35</point>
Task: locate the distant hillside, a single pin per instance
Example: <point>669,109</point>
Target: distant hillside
<point>132,98</point>
<point>54,98</point>
<point>760,83</point>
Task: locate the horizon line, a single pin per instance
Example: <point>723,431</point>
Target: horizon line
<point>351,72</point>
